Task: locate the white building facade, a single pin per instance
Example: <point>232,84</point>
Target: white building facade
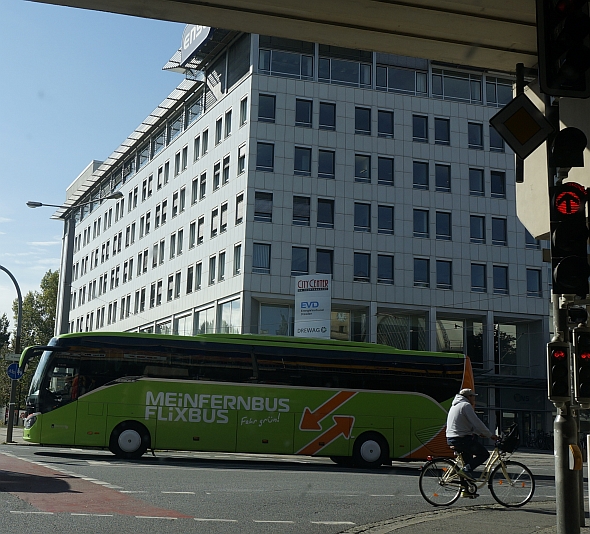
<point>277,158</point>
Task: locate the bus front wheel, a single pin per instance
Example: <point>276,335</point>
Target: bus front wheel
<point>370,450</point>
<point>129,440</point>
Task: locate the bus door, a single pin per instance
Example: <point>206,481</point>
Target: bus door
<point>59,389</point>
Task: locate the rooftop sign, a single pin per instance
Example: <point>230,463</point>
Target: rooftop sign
<point>193,36</point>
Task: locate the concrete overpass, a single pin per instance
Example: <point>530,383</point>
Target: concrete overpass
<point>491,34</point>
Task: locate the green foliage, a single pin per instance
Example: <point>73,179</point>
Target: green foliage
<point>37,327</point>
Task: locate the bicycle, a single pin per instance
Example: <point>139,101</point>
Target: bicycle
<point>511,483</point>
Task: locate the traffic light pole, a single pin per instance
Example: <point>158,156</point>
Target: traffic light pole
<point>565,429</point>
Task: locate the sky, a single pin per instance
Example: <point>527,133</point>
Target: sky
<point>73,85</point>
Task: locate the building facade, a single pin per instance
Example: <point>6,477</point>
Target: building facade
<point>275,158</point>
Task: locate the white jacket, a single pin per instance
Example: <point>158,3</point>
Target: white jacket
<point>463,421</point>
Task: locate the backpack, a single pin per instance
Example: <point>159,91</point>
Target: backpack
<point>510,439</point>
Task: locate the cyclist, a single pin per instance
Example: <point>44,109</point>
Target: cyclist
<point>463,428</point>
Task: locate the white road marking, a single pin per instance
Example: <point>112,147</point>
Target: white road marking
<point>129,491</point>
<point>332,523</point>
<point>21,512</point>
<point>392,495</point>
<point>216,520</point>
<point>94,515</point>
<point>270,521</point>
<point>155,517</point>
<point>180,492</point>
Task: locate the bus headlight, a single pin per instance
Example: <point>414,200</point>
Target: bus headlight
<point>31,420</point>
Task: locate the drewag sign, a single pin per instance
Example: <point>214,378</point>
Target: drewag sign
<point>313,305</point>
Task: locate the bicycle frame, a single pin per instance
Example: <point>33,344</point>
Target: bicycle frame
<point>495,457</point>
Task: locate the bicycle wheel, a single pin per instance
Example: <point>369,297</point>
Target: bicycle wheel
<point>438,483</point>
<point>512,485</point>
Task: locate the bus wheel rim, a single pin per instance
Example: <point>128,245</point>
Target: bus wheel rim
<point>129,440</point>
<point>370,451</point>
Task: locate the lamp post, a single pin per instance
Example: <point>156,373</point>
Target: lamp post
<point>17,350</point>
<point>34,204</point>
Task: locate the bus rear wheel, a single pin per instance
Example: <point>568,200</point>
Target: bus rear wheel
<point>370,450</point>
<point>129,440</point>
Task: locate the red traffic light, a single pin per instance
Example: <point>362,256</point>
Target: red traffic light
<point>585,355</point>
<point>559,354</point>
<point>570,198</point>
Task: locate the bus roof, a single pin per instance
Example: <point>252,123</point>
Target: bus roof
<point>262,340</point>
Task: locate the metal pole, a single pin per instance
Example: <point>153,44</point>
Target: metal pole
<point>17,350</point>
<point>580,473</point>
<point>519,162</point>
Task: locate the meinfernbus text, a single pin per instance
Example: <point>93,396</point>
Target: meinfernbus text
<point>356,403</point>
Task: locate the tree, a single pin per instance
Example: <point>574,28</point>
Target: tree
<point>37,327</point>
<point>39,307</point>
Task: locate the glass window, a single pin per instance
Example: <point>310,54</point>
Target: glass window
<point>421,272</point>
<point>214,222</point>
<point>530,241</point>
<point>385,171</point>
<point>324,260</point>
<point>221,267</point>
<point>498,91</point>
<point>362,217</point>
<point>218,130</point>
<point>453,85</point>
<point>444,274</point>
<point>299,261</point>
<point>385,219</point>
<point>385,123</point>
<point>498,184</point>
<point>216,175</point>
<point>476,182</point>
<point>420,128</point>
<point>442,178</point>
<point>302,161</point>
<point>421,223</point>
<point>243,111</point>
<point>327,116</point>
<point>362,267</point>
<point>237,259</point>
<point>443,225</point>
<point>303,112</point>
<point>264,157</point>
<point>212,269</point>
<point>533,283</point>
<point>496,142</point>
<point>227,132</point>
<point>301,211</point>
<point>326,163</point>
<point>205,143</point>
<point>500,279</point>
<point>289,64</point>
<point>266,108</point>
<point>261,258</point>
<point>262,206</point>
<point>362,168</point>
<point>499,232</point>
<point>340,71</point>
<point>225,170</point>
<point>401,80</point>
<point>362,121</point>
<point>420,174</point>
<point>477,229</point>
<point>475,135</point>
<point>442,131</point>
<point>384,269</point>
<point>239,208</point>
<point>325,213</point>
<point>478,278</point>
<point>276,320</point>
<point>241,159</point>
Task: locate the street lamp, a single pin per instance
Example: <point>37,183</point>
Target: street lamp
<point>115,195</point>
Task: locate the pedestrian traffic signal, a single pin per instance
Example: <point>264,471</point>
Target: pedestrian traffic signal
<point>569,240</point>
<point>582,365</point>
<point>558,371</point>
<point>563,42</point>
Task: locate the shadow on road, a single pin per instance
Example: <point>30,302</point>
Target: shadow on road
<point>12,482</point>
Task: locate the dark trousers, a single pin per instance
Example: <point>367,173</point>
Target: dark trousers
<point>473,452</point>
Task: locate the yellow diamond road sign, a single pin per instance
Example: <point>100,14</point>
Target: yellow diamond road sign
<point>521,125</point>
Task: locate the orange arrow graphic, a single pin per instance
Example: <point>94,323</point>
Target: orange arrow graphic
<point>342,425</point>
<point>311,420</point>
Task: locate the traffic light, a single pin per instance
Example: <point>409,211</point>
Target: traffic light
<point>558,371</point>
<point>582,365</point>
<point>569,240</point>
<point>563,42</point>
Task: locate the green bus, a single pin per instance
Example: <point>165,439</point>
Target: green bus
<point>354,402</point>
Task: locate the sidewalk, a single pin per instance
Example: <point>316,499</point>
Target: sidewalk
<point>17,435</point>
